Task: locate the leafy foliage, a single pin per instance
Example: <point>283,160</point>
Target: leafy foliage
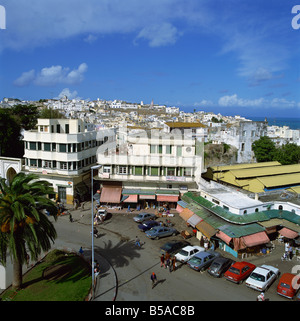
<point>24,226</point>
<point>264,149</point>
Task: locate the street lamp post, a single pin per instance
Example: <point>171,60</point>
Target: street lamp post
<point>92,214</point>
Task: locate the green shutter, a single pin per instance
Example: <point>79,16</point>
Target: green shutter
<point>138,170</point>
<point>154,171</point>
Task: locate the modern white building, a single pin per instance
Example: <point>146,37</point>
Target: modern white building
<point>151,162</point>
<point>62,151</point>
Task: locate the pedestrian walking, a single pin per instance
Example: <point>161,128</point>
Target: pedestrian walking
<point>80,251</point>
<point>71,218</point>
<point>162,261</point>
<point>137,242</point>
<point>153,279</point>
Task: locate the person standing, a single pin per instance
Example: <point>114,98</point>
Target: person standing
<point>174,263</point>
<point>162,261</point>
<point>167,259</point>
<point>137,242</point>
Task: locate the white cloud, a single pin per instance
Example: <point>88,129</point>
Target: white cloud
<point>25,79</point>
<point>68,93</point>
<point>235,101</point>
<point>51,76</point>
<point>159,34</point>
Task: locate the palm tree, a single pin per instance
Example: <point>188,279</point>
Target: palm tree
<point>24,225</point>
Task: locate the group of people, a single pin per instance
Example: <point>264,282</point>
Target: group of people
<point>167,261</point>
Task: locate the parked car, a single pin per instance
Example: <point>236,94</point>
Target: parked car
<point>188,252</point>
<point>288,285</point>
<point>147,225</point>
<point>144,217</point>
<point>239,271</point>
<point>157,232</point>
<point>202,260</point>
<point>173,246</point>
<point>262,277</point>
<point>219,265</point>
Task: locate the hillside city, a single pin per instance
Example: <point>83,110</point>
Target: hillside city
<point>200,165</point>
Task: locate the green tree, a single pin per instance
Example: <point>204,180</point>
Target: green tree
<point>288,154</point>
<point>50,113</point>
<point>11,144</point>
<point>24,226</point>
<point>25,115</point>
<point>264,149</point>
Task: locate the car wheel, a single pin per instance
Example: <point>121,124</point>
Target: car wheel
<point>174,234</point>
<point>157,238</point>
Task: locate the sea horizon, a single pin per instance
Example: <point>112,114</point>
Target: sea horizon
<point>292,123</point>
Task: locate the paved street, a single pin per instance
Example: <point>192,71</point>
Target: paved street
<point>126,269</point>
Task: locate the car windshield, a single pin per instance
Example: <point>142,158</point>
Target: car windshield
<point>257,277</point>
<point>167,246</point>
<point>234,270</point>
<point>195,260</point>
<point>184,253</point>
<point>215,265</point>
<point>139,215</point>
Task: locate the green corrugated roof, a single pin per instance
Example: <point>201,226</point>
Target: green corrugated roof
<point>234,225</point>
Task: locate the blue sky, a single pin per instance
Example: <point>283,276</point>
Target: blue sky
<point>233,56</point>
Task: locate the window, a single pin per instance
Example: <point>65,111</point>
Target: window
<point>169,186</point>
<point>63,165</point>
<point>187,171</point>
<point>39,146</point>
<point>47,147</point>
<point>171,171</point>
<point>53,147</point>
<point>154,171</point>
<point>106,169</point>
<point>138,170</point>
<point>62,148</point>
<point>47,164</point>
<point>152,149</point>
<point>32,145</point>
<point>168,149</point>
<point>58,128</point>
<point>33,162</point>
<point>122,169</point>
<point>179,150</point>
<point>160,149</point>
<point>67,128</point>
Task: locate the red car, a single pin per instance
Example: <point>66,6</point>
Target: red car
<point>288,285</point>
<point>239,271</point>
